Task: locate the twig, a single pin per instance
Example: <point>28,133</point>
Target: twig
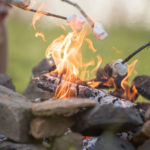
<point>91,22</point>
<point>135,52</point>
<point>44,13</point>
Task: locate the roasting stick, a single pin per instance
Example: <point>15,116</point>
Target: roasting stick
<point>120,67</point>
<point>43,13</point>
<point>75,21</point>
<point>91,22</point>
<point>98,29</point>
<point>23,4</point>
<point>135,52</point>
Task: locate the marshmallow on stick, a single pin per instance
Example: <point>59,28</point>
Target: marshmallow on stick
<point>20,3</point>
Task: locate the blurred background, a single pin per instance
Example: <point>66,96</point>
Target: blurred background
<point>127,23</point>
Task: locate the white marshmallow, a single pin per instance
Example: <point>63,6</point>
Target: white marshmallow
<point>119,68</point>
<point>99,31</point>
<point>76,21</point>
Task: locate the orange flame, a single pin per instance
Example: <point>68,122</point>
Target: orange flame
<point>61,26</point>
<point>117,51</point>
<point>40,34</point>
<point>90,45</point>
<point>37,16</point>
<point>124,84</point>
<point>66,51</point>
<point>94,84</point>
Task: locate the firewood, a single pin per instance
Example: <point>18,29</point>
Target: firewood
<point>50,83</point>
<point>142,84</point>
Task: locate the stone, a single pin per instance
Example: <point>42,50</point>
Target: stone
<point>6,81</point>
<point>7,145</point>
<point>108,141</point>
<point>143,105</point>
<point>61,107</point>
<point>146,129</point>
<point>145,146</point>
<point>106,117</point>
<point>44,66</point>
<point>49,127</point>
<point>142,135</point>
<point>142,84</point>
<point>2,138</point>
<point>147,114</point>
<point>72,141</point>
<point>15,115</point>
<point>32,91</point>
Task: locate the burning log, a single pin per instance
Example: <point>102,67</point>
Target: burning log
<point>51,84</point>
<point>142,84</point>
<point>113,74</point>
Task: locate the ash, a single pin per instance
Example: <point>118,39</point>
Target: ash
<point>89,143</point>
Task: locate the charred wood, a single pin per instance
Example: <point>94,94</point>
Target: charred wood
<point>142,84</point>
<point>50,83</point>
<point>105,76</point>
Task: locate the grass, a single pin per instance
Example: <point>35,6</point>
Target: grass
<point>25,50</point>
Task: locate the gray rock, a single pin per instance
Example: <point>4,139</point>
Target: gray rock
<point>16,146</point>
<point>49,127</point>
<point>146,129</point>
<point>14,115</point>
<point>142,84</point>
<point>32,91</point>
<point>61,107</point>
<point>6,81</point>
<point>107,117</point>
<point>45,65</point>
<point>145,146</point>
<point>147,114</point>
<point>2,138</point>
<point>111,142</point>
<point>142,135</point>
<point>143,105</point>
<point>71,141</point>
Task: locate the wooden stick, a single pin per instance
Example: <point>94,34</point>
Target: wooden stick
<point>136,52</point>
<point>50,83</point>
<point>91,22</point>
<point>43,13</point>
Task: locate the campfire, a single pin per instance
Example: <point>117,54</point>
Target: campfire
<point>75,107</point>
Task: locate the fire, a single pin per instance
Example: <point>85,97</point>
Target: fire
<point>90,45</point>
<point>40,34</point>
<point>66,51</point>
<point>129,92</point>
<point>61,26</point>
<point>67,55</point>
<point>94,84</point>
<point>37,16</point>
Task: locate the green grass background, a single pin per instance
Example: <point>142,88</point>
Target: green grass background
<point>25,50</point>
